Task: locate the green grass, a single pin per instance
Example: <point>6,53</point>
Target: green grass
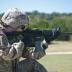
<point>57,63</point>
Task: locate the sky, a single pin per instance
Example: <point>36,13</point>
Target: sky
<point>47,6</point>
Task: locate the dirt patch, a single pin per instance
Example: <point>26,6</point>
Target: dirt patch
<point>60,46</point>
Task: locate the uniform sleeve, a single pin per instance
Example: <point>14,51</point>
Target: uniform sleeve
<point>10,52</point>
<point>3,43</point>
<point>15,51</point>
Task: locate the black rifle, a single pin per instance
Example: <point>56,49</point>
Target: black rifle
<point>31,35</point>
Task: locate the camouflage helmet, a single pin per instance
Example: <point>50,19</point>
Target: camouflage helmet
<point>14,18</point>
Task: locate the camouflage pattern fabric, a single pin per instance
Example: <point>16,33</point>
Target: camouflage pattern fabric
<point>30,65</point>
<point>15,46</point>
<point>14,18</point>
<point>11,50</point>
<point>5,66</point>
<point>30,54</point>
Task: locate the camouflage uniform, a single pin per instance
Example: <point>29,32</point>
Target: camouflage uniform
<point>30,65</point>
<point>25,65</point>
<point>14,51</point>
<point>14,48</point>
<point>10,49</point>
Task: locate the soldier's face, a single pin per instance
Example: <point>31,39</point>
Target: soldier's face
<point>19,30</point>
<point>9,29</point>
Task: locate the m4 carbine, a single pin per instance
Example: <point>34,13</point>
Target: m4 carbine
<point>32,35</point>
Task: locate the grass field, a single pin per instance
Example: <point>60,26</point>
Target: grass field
<point>58,63</point>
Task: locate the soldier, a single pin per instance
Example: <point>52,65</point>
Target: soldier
<point>11,49</point>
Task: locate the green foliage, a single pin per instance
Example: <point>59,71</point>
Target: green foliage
<point>47,21</point>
